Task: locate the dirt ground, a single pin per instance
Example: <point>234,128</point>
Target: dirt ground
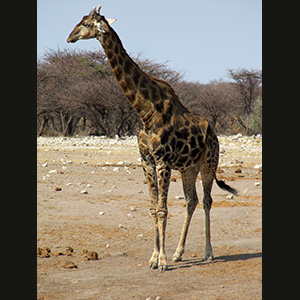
<point>95,199</point>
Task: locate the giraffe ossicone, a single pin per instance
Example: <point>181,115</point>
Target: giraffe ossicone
<point>173,138</point>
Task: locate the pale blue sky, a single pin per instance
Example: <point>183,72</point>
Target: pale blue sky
<point>202,38</point>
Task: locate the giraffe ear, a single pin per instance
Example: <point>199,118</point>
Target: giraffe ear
<point>111,21</point>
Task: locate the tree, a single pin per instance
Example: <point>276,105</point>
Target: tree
<point>77,93</point>
<point>248,87</point>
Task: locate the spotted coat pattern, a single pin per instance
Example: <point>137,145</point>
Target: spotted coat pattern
<point>172,138</point>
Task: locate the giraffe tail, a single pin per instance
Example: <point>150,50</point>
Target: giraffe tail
<point>221,184</point>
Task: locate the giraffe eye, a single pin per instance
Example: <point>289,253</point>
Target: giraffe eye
<point>86,25</point>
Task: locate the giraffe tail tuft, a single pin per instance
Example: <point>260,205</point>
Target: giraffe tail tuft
<point>221,184</point>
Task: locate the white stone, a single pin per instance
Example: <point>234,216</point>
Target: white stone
<point>179,197</point>
<point>45,165</point>
<point>258,166</point>
<point>83,192</point>
<point>52,171</point>
<point>101,213</point>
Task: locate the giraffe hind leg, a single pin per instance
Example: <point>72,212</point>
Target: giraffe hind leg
<point>208,175</point>
<point>189,188</point>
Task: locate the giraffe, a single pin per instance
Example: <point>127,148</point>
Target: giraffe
<point>173,138</point>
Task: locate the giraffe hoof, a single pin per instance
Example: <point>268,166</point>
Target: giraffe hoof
<point>163,268</point>
<point>177,258</point>
<point>153,265</point>
<point>209,258</point>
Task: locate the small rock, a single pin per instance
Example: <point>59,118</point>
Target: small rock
<point>57,189</point>
<point>236,137</point>
<point>84,192</point>
<point>257,183</point>
<point>84,162</point>
<point>258,166</point>
<point>93,255</point>
<point>122,226</point>
<point>158,298</point>
<point>89,255</point>
<point>69,265</point>
<point>45,165</point>
<point>58,253</point>
<point>101,213</point>
<point>69,184</point>
<point>140,235</point>
<point>88,185</point>
<point>132,209</point>
<point>238,170</point>
<point>229,197</point>
<point>52,171</point>
<point>222,150</point>
<point>115,169</point>
<point>179,197</point>
<point>69,251</point>
<point>43,252</point>
<point>193,255</point>
<point>115,254</point>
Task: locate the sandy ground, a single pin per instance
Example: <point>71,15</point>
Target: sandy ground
<point>94,199</point>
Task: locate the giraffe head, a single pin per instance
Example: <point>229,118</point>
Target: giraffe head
<point>91,26</point>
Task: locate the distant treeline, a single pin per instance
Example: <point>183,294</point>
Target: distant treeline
<point>78,94</point>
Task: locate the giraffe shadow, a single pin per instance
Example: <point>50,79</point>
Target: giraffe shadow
<point>223,258</point>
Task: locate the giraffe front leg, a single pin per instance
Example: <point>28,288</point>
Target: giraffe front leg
<point>164,175</point>
<point>149,168</point>
<point>153,262</point>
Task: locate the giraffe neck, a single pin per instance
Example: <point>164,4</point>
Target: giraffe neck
<point>145,93</point>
